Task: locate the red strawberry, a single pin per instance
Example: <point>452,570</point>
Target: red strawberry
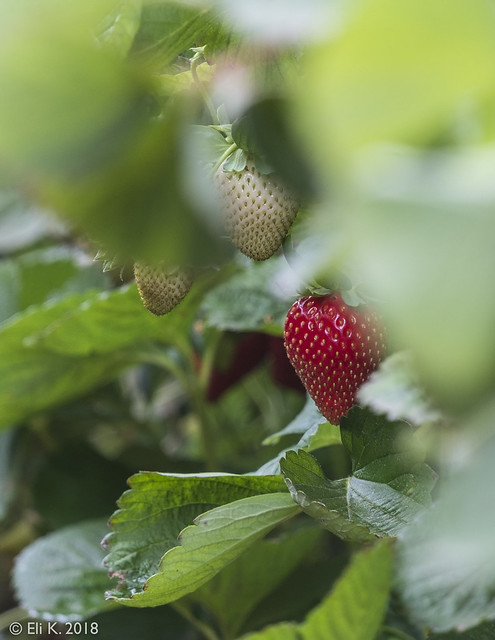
<point>240,354</point>
<point>334,348</point>
<point>258,210</point>
<point>281,370</point>
<point>161,289</point>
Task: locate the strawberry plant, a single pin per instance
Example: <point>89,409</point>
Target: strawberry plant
<point>246,320</point>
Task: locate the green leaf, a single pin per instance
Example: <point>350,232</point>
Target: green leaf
<point>156,509</point>
<point>446,560</point>
<point>373,83</point>
<point>61,576</point>
<point>104,322</point>
<point>356,606</point>
<point>254,575</point>
<point>247,302</point>
<point>309,418</point>
<point>62,349</point>
<point>320,498</point>
<point>215,539</point>
<point>316,433</point>
<point>393,389</point>
<point>389,486</point>
<point>169,29</point>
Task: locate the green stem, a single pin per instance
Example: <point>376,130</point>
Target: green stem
<point>189,380</point>
<point>202,90</point>
<point>397,633</point>
<point>205,629</point>
<point>224,156</point>
<point>208,361</point>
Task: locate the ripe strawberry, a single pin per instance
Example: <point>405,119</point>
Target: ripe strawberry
<point>161,289</point>
<point>239,354</point>
<point>334,348</point>
<point>258,210</point>
<point>281,370</point>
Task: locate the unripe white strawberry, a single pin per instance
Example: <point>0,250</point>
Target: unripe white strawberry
<point>161,289</point>
<point>258,210</point>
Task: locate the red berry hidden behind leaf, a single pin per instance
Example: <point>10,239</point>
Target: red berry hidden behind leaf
<point>334,348</point>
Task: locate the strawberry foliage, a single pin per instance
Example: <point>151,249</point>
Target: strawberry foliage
<point>188,473</point>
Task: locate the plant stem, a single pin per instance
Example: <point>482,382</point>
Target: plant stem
<point>205,629</point>
<point>224,156</point>
<point>190,382</point>
<point>397,633</point>
<point>201,88</point>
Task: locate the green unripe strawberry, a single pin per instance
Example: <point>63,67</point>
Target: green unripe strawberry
<point>258,210</point>
<point>161,289</point>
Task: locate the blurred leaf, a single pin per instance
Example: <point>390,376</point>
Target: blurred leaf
<point>215,539</point>
<point>62,476</point>
<point>22,224</point>
<point>373,83</point>
<point>356,606</point>
<point>247,302</point>
<point>169,29</point>
<point>59,125</point>
<point>388,488</point>
<point>157,508</point>
<point>485,631</point>
<point>446,559</point>
<point>62,349</point>
<point>281,22</point>
<point>137,204</point>
<point>264,131</point>
<point>61,576</point>
<point>394,391</point>
<point>119,28</point>
<point>44,274</point>
<point>256,573</point>
<point>424,230</point>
